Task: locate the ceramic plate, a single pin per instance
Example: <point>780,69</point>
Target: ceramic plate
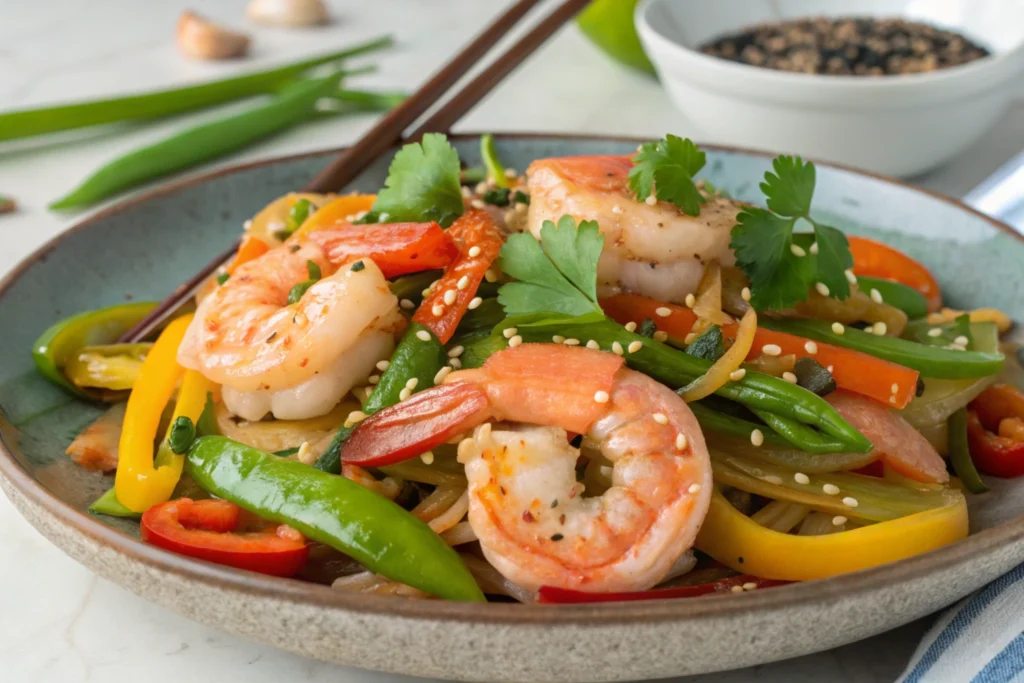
<point>142,248</point>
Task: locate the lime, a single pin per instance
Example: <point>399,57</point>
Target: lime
<point>609,23</point>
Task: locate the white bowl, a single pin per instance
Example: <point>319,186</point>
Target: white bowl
<point>898,125</point>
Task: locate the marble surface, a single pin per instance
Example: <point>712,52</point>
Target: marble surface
<point>58,622</point>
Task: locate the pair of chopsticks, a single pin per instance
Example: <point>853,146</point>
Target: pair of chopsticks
<point>389,130</point>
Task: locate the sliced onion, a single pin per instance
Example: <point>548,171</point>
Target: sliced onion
<point>942,398</point>
<point>709,296</point>
<point>717,375</point>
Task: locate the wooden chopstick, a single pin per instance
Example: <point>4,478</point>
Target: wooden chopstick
<point>388,131</point>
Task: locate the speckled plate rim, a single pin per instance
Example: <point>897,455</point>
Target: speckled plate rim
<point>248,583</point>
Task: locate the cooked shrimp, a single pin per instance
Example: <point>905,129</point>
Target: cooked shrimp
<point>654,250</point>
<point>897,444</point>
<point>295,360</point>
<point>96,447</point>
<point>525,504</point>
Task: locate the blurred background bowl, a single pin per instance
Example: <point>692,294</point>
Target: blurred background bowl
<point>899,125</point>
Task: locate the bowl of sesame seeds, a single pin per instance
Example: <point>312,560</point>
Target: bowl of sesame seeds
<point>891,86</point>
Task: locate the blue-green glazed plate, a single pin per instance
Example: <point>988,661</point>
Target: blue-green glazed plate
<point>144,247</point>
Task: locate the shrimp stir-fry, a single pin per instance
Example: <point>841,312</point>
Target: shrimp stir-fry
<point>532,517</point>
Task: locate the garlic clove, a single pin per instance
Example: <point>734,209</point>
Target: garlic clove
<point>294,13</point>
<point>202,39</point>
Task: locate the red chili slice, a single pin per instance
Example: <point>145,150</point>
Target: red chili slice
<point>414,426</point>
<point>396,248</point>
<point>205,529</point>
<point>479,240</point>
<point>552,595</point>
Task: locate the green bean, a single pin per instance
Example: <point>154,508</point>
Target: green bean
<point>800,434</point>
<point>28,122</point>
<point>712,420</point>
<point>960,453</point>
<point>930,361</point>
<point>201,143</point>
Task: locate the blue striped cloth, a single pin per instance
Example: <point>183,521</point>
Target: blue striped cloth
<point>980,640</point>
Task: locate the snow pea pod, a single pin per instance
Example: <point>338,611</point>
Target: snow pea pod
<point>905,298</point>
<point>334,511</point>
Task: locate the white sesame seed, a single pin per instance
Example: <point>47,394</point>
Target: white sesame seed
<point>772,479</point>
<point>892,400</point>
<point>246,225</point>
<point>521,208</point>
<point>354,417</point>
<point>831,369</point>
<point>558,339</point>
<point>456,351</point>
<point>437,309</point>
<point>509,332</point>
<point>895,388</point>
<point>663,311</point>
<point>404,394</point>
<point>691,301</point>
<point>511,173</point>
<point>411,383</point>
<point>491,275</point>
<point>745,293</point>
<point>660,418</point>
<point>838,328</point>
<point>383,365</point>
<point>406,304</point>
<point>616,209</point>
<point>821,288</point>
<point>880,328</point>
<point>635,346</point>
<point>756,437</point>
<point>680,442</point>
<point>957,347</point>
<point>814,248</point>
<point>750,586</point>
<point>651,200</point>
<point>601,397</point>
<point>462,283</point>
<point>617,348</point>
<point>474,251</point>
<point>593,345</point>
<point>477,204</point>
<point>694,488</point>
<point>850,502</point>
<point>838,520</point>
<point>660,336</point>
<point>467,192</point>
<point>441,374</point>
<point>455,363</point>
<point>475,303</point>
<point>572,342</point>
<point>801,478</point>
<point>690,338</point>
<point>305,454</point>
<point>373,379</point>
<point>850,277</point>
<point>738,374</point>
<point>797,250</point>
<point>427,458</point>
<point>630,326</point>
<point>426,292</point>
<point>962,341</point>
<point>771,349</point>
<point>830,489</point>
<point>811,348</point>
<point>935,332</point>
<point>736,589</point>
<point>449,297</point>
<point>789,377</point>
<point>515,341</point>
<point>480,187</point>
<point>423,335</point>
<point>876,296</point>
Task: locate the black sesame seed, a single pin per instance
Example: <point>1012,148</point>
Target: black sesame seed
<point>557,537</point>
<point>358,266</point>
<point>271,337</point>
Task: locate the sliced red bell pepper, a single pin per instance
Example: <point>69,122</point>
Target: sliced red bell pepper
<point>479,240</point>
<point>208,530</point>
<point>396,248</point>
<point>991,452</point>
<point>853,370</point>
<point>562,596</point>
<point>875,259</point>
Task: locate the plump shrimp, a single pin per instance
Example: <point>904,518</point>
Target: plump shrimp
<point>295,360</point>
<point>654,250</point>
<point>525,505</point>
<point>897,443</point>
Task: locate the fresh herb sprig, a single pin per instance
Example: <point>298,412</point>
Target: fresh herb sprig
<point>667,168</point>
<point>781,272</point>
<point>422,184</point>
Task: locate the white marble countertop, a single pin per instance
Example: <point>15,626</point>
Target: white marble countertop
<point>60,623</point>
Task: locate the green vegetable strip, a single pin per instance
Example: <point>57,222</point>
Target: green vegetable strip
<point>798,433</point>
<point>202,143</point>
<point>907,299</point>
<point>27,122</point>
<point>411,286</point>
<point>413,358</point>
<point>712,420</point>
<point>495,169</point>
<point>960,453</point>
<point>108,504</point>
<point>928,360</point>
<point>334,511</point>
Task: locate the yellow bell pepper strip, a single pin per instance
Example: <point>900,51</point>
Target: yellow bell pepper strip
<point>742,544</point>
<point>336,211</point>
<point>141,480</point>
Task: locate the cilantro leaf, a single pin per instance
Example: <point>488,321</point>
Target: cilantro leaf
<point>667,167</point>
<point>781,272</point>
<point>422,183</point>
<point>557,274</point>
